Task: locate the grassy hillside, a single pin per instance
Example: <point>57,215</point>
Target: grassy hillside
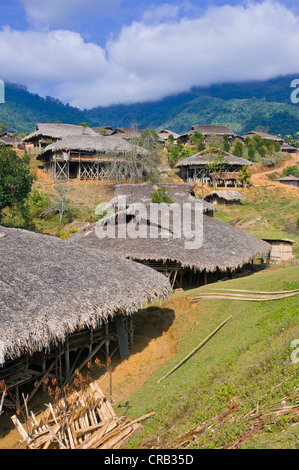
<point>247,363</point>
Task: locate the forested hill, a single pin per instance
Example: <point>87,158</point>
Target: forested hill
<point>241,106</point>
<point>22,110</point>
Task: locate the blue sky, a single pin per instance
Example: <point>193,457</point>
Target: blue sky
<point>102,52</point>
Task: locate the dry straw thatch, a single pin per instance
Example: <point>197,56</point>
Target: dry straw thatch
<point>228,196</point>
<point>141,193</point>
<point>224,247</point>
<point>110,145</point>
<point>49,290</point>
<point>206,158</point>
<point>58,131</point>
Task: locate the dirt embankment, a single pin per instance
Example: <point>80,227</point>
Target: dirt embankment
<point>154,343</point>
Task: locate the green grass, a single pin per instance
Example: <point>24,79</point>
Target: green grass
<point>247,361</point>
<point>271,203</point>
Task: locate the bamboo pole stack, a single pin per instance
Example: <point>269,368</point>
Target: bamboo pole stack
<point>80,421</point>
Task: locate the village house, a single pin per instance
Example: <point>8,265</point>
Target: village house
<point>264,136</point>
<point>212,165</point>
<point>223,253</point>
<point>142,193</point>
<point>127,133</point>
<point>103,130</point>
<point>211,133</point>
<point>46,134</point>
<point>290,180</point>
<point>87,156</point>
<point>9,140</point>
<point>225,197</point>
<point>164,134</point>
<point>281,250</point>
<point>289,148</point>
<point>61,307</point>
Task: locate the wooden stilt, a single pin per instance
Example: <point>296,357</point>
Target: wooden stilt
<point>67,357</point>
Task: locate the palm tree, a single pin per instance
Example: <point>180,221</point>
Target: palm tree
<point>245,175</point>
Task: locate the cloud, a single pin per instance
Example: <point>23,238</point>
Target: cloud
<point>43,58</point>
<point>151,59</point>
<point>62,13</point>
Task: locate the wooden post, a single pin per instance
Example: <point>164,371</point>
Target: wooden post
<point>205,277</point>
<point>91,338</point>
<point>67,357</point>
<point>131,330</point>
<point>107,342</point>
<point>43,371</point>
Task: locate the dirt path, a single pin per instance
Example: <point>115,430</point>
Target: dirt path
<point>262,177</point>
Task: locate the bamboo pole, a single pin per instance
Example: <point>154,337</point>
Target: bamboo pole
<point>195,349</point>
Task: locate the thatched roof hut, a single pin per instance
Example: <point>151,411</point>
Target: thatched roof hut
<point>224,247</point>
<point>289,148</point>
<point>95,144</point>
<point>199,167</point>
<point>290,180</point>
<point>205,158</point>
<point>225,197</point>
<point>142,193</point>
<point>44,133</point>
<point>87,156</point>
<point>209,132</point>
<point>49,290</point>
<point>264,135</point>
<point>165,133</point>
<point>127,133</point>
<point>103,130</point>
<point>9,140</point>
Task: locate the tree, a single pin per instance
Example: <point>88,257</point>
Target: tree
<point>291,170</point>
<point>226,144</point>
<point>251,152</point>
<point>197,139</point>
<point>245,175</point>
<point>60,202</point>
<point>161,196</point>
<point>238,148</point>
<point>15,180</point>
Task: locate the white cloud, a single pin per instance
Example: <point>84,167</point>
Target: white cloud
<point>150,60</point>
<point>61,13</point>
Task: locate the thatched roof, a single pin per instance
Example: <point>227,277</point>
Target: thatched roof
<point>128,132</point>
<point>288,178</point>
<point>95,143</point>
<point>208,130</point>
<point>58,131</point>
<point>49,290</point>
<point>227,195</point>
<point>213,129</point>
<point>9,140</point>
<point>289,148</point>
<point>263,135</point>
<point>223,246</point>
<point>179,192</point>
<point>165,133</point>
<point>108,130</point>
<point>206,158</point>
